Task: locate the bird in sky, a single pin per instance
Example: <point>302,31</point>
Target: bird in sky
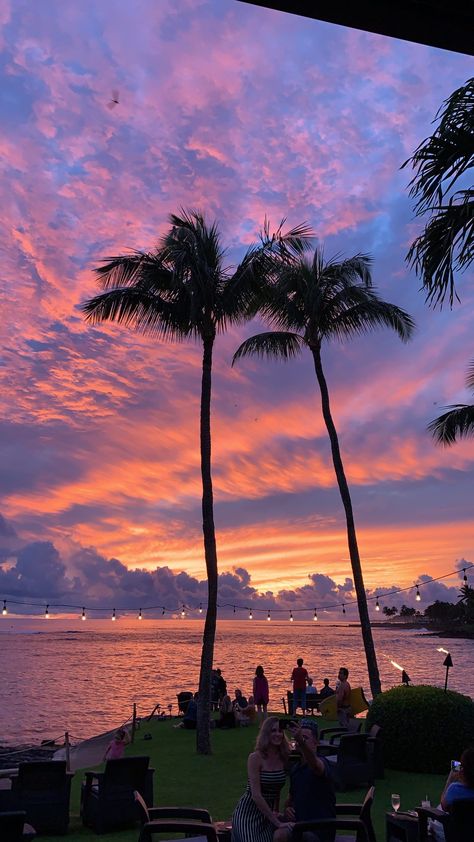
<point>114,101</point>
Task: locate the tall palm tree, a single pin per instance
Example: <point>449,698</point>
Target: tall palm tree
<point>183,290</point>
<point>308,303</point>
<point>447,243</point>
<point>458,421</point>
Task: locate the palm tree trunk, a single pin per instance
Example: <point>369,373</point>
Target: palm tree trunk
<point>366,628</point>
<point>203,734</point>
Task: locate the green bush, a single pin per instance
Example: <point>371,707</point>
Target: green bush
<point>424,728</point>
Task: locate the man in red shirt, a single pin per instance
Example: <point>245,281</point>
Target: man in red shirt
<point>299,677</point>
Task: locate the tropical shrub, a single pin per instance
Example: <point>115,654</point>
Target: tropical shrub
<point>424,728</point>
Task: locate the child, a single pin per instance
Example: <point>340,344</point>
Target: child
<point>116,747</point>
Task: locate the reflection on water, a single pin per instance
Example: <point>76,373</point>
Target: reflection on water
<point>56,677</point>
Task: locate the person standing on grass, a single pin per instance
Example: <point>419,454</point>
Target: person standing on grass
<point>261,693</point>
<point>299,677</point>
<point>343,698</point>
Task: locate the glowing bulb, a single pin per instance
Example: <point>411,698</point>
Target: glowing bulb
<point>291,616</point>
<point>269,618</point>
<point>140,614</point>
<point>417,597</point>
<point>83,616</point>
<point>113,615</point>
<point>183,612</point>
<point>200,607</point>
<point>315,615</point>
<point>4,611</point>
<point>250,614</point>
<point>46,613</point>
<point>377,606</point>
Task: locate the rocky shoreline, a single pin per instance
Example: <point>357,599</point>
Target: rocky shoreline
<point>11,756</point>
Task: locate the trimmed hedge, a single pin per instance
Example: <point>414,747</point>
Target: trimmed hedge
<point>424,728</point>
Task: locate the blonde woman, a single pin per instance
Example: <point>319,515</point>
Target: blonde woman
<point>256,816</point>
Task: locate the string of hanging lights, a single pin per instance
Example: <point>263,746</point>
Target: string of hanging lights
<point>187,609</point>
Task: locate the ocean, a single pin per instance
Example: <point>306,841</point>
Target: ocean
<point>64,675</point>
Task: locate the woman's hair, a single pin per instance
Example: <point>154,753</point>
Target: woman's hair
<point>467,763</point>
<point>263,740</point>
<point>259,671</point>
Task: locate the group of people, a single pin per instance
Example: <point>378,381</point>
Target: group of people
<point>303,687</point>
<point>259,815</point>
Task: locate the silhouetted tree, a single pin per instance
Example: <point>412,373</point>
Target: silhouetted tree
<point>310,303</point>
<point>184,290</point>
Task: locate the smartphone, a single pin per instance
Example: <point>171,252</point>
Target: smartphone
<point>284,724</point>
<point>455,765</point>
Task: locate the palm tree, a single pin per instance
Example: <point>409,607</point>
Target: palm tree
<point>459,421</point>
<point>183,290</point>
<point>447,243</point>
<point>310,303</point>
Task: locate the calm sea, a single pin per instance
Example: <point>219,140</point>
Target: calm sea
<point>59,675</point>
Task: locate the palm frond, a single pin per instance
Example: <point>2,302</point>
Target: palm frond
<point>143,311</point>
<point>470,376</point>
<point>289,244</point>
<point>276,344</point>
<point>360,311</point>
<point>444,156</point>
<point>445,246</point>
<point>457,423</point>
<point>121,270</point>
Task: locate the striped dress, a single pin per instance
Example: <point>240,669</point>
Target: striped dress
<point>248,823</point>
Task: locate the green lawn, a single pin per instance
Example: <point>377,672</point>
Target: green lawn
<point>216,782</point>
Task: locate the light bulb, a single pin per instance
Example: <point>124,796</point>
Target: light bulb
<point>343,609</point>
<point>315,615</point>
<point>183,612</point>
<point>140,614</point>
<point>269,618</point>
<point>46,613</point>
<point>83,614</point>
<point>377,606</point>
<point>200,607</point>
<point>4,611</point>
<point>113,615</point>
<point>291,616</point>
<point>417,597</point>
<point>250,614</point>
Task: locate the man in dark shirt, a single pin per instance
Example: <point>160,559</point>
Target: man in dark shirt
<point>326,690</point>
<point>311,789</point>
<point>299,677</point>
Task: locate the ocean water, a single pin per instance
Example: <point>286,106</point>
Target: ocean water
<point>64,675</point>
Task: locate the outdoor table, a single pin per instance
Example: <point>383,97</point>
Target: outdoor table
<point>401,826</point>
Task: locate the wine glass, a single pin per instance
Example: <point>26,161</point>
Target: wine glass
<point>395,801</point>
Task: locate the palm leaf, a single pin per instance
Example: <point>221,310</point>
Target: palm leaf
<point>361,312</point>
<point>457,423</point>
<point>145,312</point>
<point>276,344</point>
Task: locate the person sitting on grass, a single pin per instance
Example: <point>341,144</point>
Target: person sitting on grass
<point>240,700</point>
<point>190,717</point>
<point>246,715</point>
<point>226,713</point>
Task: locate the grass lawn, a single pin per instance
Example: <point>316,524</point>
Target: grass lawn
<point>217,782</point>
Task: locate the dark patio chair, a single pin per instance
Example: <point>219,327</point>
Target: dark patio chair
<point>183,701</point>
<point>356,825</point>
<point>330,737</point>
<point>375,750</point>
<point>43,789</point>
<point>361,811</point>
<point>151,817</point>
<point>107,798</point>
<point>194,830</point>
<point>458,824</point>
<point>13,827</point>
<point>351,766</point>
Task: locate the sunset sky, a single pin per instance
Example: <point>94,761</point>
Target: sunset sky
<point>241,112</point>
